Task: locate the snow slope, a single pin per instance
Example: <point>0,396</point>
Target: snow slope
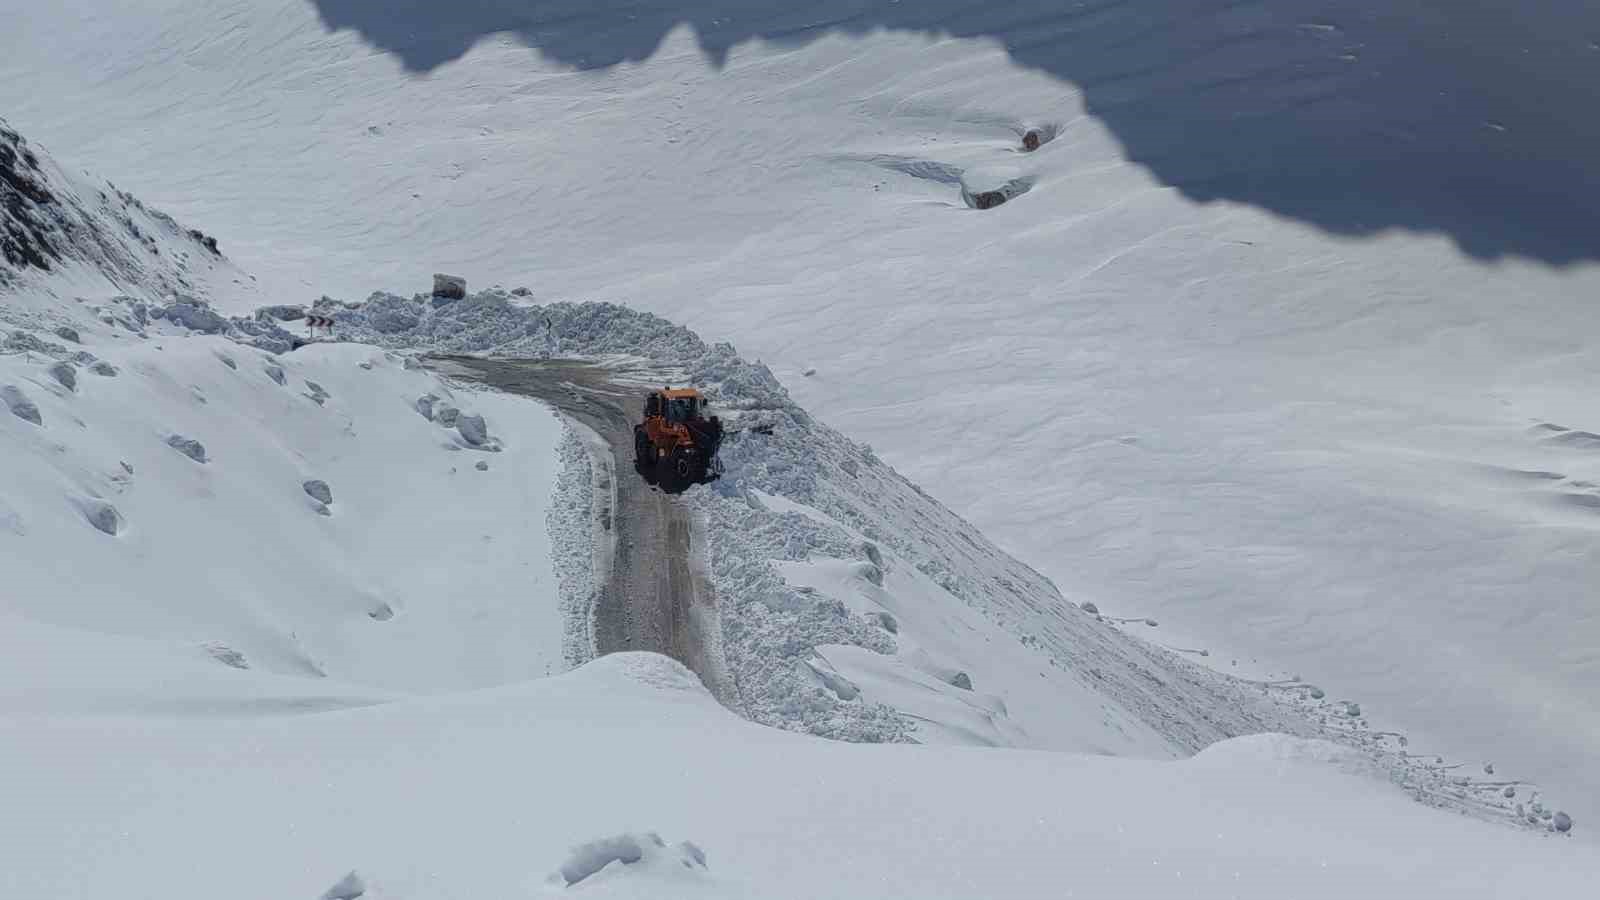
<point>483,794</point>
<point>177,505</point>
<point>1283,428</point>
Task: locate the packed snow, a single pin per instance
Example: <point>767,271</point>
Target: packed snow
<point>507,792</point>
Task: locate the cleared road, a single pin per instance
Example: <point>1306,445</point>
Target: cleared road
<point>657,597</point>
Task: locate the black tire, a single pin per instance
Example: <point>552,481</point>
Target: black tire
<point>683,465</point>
<point>644,452</point>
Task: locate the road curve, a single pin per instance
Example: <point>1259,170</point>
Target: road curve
<point>657,596</point>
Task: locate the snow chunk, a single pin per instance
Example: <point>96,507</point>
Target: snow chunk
<point>66,374</point>
<point>590,859</point>
<point>473,430</point>
<point>20,405</point>
<point>348,888</point>
<point>188,447</point>
<point>391,315</point>
<point>425,405</point>
<point>318,490</point>
<point>226,655</point>
<point>447,415</point>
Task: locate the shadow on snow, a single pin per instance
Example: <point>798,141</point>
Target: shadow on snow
<point>1475,120</point>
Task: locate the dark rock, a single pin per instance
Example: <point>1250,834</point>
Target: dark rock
<point>20,405</point>
<point>188,447</point>
<point>66,374</point>
<point>962,680</point>
<point>275,373</point>
<point>474,430</point>
<point>318,490</point>
<point>104,369</point>
<point>103,516</point>
<point>68,333</point>
<point>449,287</point>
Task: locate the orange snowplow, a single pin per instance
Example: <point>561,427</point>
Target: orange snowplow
<point>677,442</point>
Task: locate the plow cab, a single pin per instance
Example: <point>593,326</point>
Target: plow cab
<point>676,443</point>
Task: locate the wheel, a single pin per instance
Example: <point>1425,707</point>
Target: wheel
<point>644,452</point>
<point>683,464</point>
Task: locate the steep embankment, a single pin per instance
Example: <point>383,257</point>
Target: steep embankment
<point>188,514</point>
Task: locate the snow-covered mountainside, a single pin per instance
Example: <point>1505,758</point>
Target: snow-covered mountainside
<point>1175,440</point>
<point>1288,345</point>
<point>210,502</point>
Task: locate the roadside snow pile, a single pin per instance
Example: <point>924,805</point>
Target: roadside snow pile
<point>772,628</point>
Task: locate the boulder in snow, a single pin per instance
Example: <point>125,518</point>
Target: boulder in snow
<point>196,316</point>
<point>66,374</point>
<point>350,887</point>
<point>449,287</point>
<point>425,405</point>
<point>482,466</point>
<point>318,490</point>
<point>447,416</point>
<point>104,369</point>
<point>227,360</point>
<point>275,372</point>
<point>68,333</point>
<point>282,313</point>
<point>188,447</point>
<point>474,430</point>
<point>1562,822</point>
<point>20,405</point>
<point>318,394</point>
<point>1089,608</point>
<point>103,516</point>
<point>962,680</point>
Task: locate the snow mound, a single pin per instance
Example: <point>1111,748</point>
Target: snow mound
<point>631,857</point>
